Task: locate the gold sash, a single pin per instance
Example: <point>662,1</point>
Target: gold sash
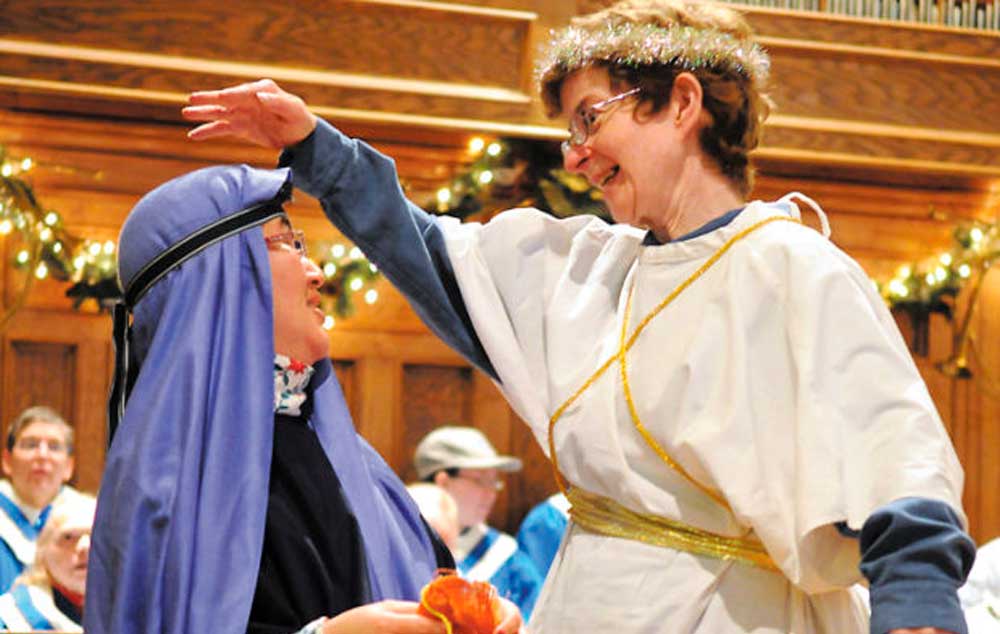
<point>604,516</point>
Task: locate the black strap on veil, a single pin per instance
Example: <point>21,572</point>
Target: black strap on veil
<point>126,371</point>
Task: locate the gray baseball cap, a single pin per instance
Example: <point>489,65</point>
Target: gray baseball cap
<point>459,448</point>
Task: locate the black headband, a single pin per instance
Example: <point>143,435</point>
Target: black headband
<point>159,266</point>
<point>203,238</point>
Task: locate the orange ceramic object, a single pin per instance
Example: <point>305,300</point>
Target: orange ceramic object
<point>465,607</point>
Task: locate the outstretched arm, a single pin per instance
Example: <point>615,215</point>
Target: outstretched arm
<point>359,190</point>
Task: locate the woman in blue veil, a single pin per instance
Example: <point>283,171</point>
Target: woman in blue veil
<point>237,495</point>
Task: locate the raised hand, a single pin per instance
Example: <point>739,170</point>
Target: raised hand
<point>259,112</point>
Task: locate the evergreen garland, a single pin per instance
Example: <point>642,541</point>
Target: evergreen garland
<point>508,173</point>
<point>49,249</point>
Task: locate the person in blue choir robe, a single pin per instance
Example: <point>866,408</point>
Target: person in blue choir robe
<point>37,463</point>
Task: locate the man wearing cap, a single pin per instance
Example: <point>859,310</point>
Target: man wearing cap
<point>462,461</point>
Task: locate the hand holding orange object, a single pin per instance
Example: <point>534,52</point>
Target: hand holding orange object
<point>465,607</point>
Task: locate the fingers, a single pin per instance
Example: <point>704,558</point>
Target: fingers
<point>233,95</point>
<point>417,624</point>
<point>402,617</point>
<point>211,130</point>
<point>203,113</point>
<point>399,607</point>
<point>259,112</point>
<point>386,617</point>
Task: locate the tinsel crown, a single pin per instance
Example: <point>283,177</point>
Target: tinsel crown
<point>630,44</point>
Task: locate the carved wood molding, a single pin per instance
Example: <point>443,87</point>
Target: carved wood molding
<point>875,97</point>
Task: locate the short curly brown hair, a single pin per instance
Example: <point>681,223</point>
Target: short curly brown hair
<point>733,95</point>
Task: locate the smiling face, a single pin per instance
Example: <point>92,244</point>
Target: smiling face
<point>295,282</point>
<point>633,158</point>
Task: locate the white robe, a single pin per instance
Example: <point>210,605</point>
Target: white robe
<point>980,595</point>
<point>777,379</point>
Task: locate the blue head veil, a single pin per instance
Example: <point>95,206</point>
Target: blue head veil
<point>181,512</point>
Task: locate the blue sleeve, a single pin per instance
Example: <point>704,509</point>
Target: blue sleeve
<point>360,194</point>
<point>519,581</point>
<point>915,555</point>
<point>10,567</point>
<point>540,534</point>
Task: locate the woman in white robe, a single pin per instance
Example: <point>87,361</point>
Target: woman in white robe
<point>729,404</point>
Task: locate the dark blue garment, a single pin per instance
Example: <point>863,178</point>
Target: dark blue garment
<point>650,240</point>
<point>359,190</point>
<point>181,513</point>
<point>916,548</point>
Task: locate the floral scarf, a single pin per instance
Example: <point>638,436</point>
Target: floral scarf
<point>291,378</point>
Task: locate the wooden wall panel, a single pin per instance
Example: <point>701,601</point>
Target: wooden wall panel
<point>492,415</point>
<point>38,373</point>
<point>395,57</point>
<point>844,31</point>
<point>432,396</point>
<point>392,39</point>
<point>62,360</point>
<point>377,412</point>
<point>982,420</point>
<point>970,408</point>
<point>890,98</point>
<point>346,372</point>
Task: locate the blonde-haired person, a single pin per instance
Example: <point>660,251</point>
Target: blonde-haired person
<point>49,594</point>
<point>738,424</point>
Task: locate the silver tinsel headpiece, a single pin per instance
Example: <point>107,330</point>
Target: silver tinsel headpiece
<point>629,44</point>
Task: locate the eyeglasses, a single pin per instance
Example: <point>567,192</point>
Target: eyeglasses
<point>584,120</point>
<point>492,485</point>
<point>33,444</point>
<point>293,238</point>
